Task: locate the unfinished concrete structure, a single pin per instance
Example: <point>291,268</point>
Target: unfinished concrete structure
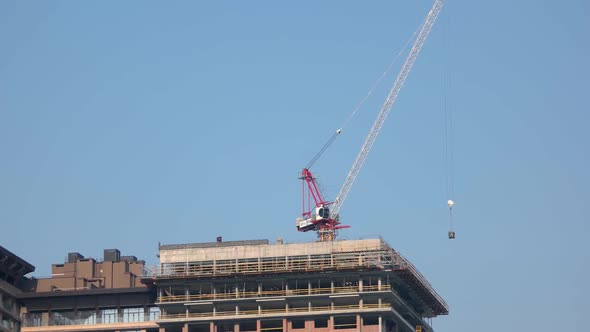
<point>349,285</point>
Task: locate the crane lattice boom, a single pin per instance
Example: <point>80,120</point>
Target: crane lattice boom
<point>391,98</point>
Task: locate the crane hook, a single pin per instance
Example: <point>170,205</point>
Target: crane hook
<point>451,203</point>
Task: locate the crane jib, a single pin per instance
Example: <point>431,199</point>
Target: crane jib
<point>323,219</point>
<point>388,104</point>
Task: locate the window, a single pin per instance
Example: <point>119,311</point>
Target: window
<point>63,318</point>
<point>131,315</point>
<point>87,317</point>
<point>109,316</point>
<point>154,313</point>
<point>298,324</point>
<point>320,322</point>
<point>247,325</point>
<point>367,321</point>
<point>324,213</point>
<point>32,319</point>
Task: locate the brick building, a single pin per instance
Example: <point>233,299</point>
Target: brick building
<point>84,294</point>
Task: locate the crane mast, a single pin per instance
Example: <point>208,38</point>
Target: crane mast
<point>386,108</point>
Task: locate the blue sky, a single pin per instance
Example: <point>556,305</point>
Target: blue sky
<point>123,124</point>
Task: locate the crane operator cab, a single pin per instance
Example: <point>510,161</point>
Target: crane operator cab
<point>318,214</point>
<point>322,212</point>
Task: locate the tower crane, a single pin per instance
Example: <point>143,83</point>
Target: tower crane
<point>324,218</point>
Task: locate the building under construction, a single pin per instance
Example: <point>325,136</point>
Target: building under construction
<point>347,285</point>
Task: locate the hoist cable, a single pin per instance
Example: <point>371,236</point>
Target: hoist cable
<point>324,148</point>
<point>447,83</point>
<point>362,102</point>
<point>378,81</point>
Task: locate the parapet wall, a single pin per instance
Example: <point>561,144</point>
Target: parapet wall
<point>177,254</point>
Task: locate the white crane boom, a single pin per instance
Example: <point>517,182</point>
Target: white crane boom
<point>391,97</point>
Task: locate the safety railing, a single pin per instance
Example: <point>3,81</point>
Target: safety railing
<point>281,311</point>
<point>72,318</point>
<point>369,257</point>
<point>271,293</point>
<point>401,263</point>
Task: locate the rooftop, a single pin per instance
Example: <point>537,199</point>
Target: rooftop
<point>259,258</point>
<point>12,267</point>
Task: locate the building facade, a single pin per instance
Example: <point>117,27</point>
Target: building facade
<point>345,285</point>
<point>351,285</point>
<point>12,272</point>
<point>84,294</point>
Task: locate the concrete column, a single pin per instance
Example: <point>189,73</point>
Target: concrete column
<point>258,328</point>
<point>211,327</point>
<point>285,327</point>
<point>259,288</point>
<point>186,312</point>
<point>361,303</point>
<point>332,305</point>
<point>380,324</point>
<point>185,327</point>
<point>45,318</point>
<point>309,287</point>
<point>237,292</point>
<point>162,329</point>
<point>187,293</point>
<point>237,327</point>
<point>379,283</point>
<point>332,286</point>
<point>119,318</point>
<point>237,310</point>
<point>287,307</point>
<point>214,310</point>
<point>308,305</point>
<point>259,310</point>
<point>331,324</point>
<point>214,291</point>
<point>360,284</point>
<point>359,324</point>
